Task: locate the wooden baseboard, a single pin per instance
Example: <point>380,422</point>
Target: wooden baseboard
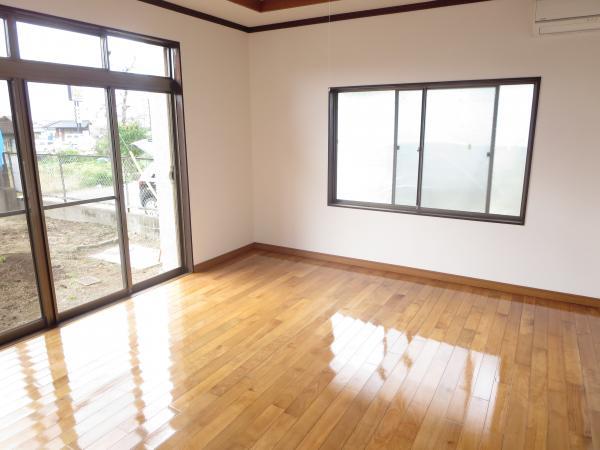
<point>393,268</point>
<point>225,257</point>
<point>439,276</point>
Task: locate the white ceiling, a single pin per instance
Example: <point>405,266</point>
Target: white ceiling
<point>245,16</point>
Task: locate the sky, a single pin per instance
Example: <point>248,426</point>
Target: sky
<point>52,45</point>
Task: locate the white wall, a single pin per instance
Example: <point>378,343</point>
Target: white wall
<point>217,102</point>
<point>290,72</point>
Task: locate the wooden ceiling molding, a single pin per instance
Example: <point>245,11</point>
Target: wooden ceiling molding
<point>275,5</point>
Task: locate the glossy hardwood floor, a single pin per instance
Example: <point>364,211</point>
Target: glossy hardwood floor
<point>279,352</point>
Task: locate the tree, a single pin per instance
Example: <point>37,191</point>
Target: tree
<point>128,134</point>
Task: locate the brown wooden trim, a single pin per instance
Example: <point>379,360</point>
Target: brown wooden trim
<point>438,276</point>
<point>431,4</point>
<point>402,270</point>
<point>225,257</point>
<point>197,14</point>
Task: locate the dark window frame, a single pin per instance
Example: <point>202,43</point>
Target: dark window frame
<point>332,199</point>
<point>18,72</point>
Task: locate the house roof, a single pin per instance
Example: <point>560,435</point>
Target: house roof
<point>68,124</point>
<point>6,126</point>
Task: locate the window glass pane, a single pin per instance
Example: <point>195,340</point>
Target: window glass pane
<point>457,144</point>
<point>409,140</point>
<point>72,142</point>
<point>365,147</point>
<point>47,44</point>
<point>84,252</point>
<point>136,57</point>
<point>148,166</point>
<point>19,302</point>
<point>510,155</point>
<point>3,47</point>
<point>11,186</point>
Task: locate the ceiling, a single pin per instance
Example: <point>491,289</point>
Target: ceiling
<point>248,17</point>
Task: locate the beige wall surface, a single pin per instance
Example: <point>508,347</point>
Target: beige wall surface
<point>291,70</point>
<point>216,97</point>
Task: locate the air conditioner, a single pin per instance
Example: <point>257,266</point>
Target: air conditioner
<point>563,16</point>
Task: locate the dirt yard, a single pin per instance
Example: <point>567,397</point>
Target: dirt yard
<point>18,289</point>
<point>79,274</point>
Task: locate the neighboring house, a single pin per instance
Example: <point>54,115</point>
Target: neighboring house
<point>50,137</point>
<point>64,128</point>
<point>10,183</point>
<point>62,135</point>
<point>7,136</point>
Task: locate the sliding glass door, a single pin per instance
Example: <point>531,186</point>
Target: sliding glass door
<point>19,301</point>
<point>93,176</point>
<point>149,183</point>
<point>83,211</point>
<point>75,167</point>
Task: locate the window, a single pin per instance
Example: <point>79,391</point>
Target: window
<point>40,43</point>
<point>136,57</point>
<point>71,142</point>
<point>3,49</point>
<point>153,251</point>
<point>93,183</point>
<point>456,149</point>
<point>19,301</point>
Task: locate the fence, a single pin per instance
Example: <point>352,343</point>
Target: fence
<point>76,177</point>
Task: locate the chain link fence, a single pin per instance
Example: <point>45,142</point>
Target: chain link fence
<point>72,177</point>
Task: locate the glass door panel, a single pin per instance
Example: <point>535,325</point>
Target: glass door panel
<point>72,142</point>
<point>149,182</point>
<point>84,252</point>
<point>75,168</point>
<point>19,301</point>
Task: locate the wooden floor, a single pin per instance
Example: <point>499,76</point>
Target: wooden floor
<point>279,352</point>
